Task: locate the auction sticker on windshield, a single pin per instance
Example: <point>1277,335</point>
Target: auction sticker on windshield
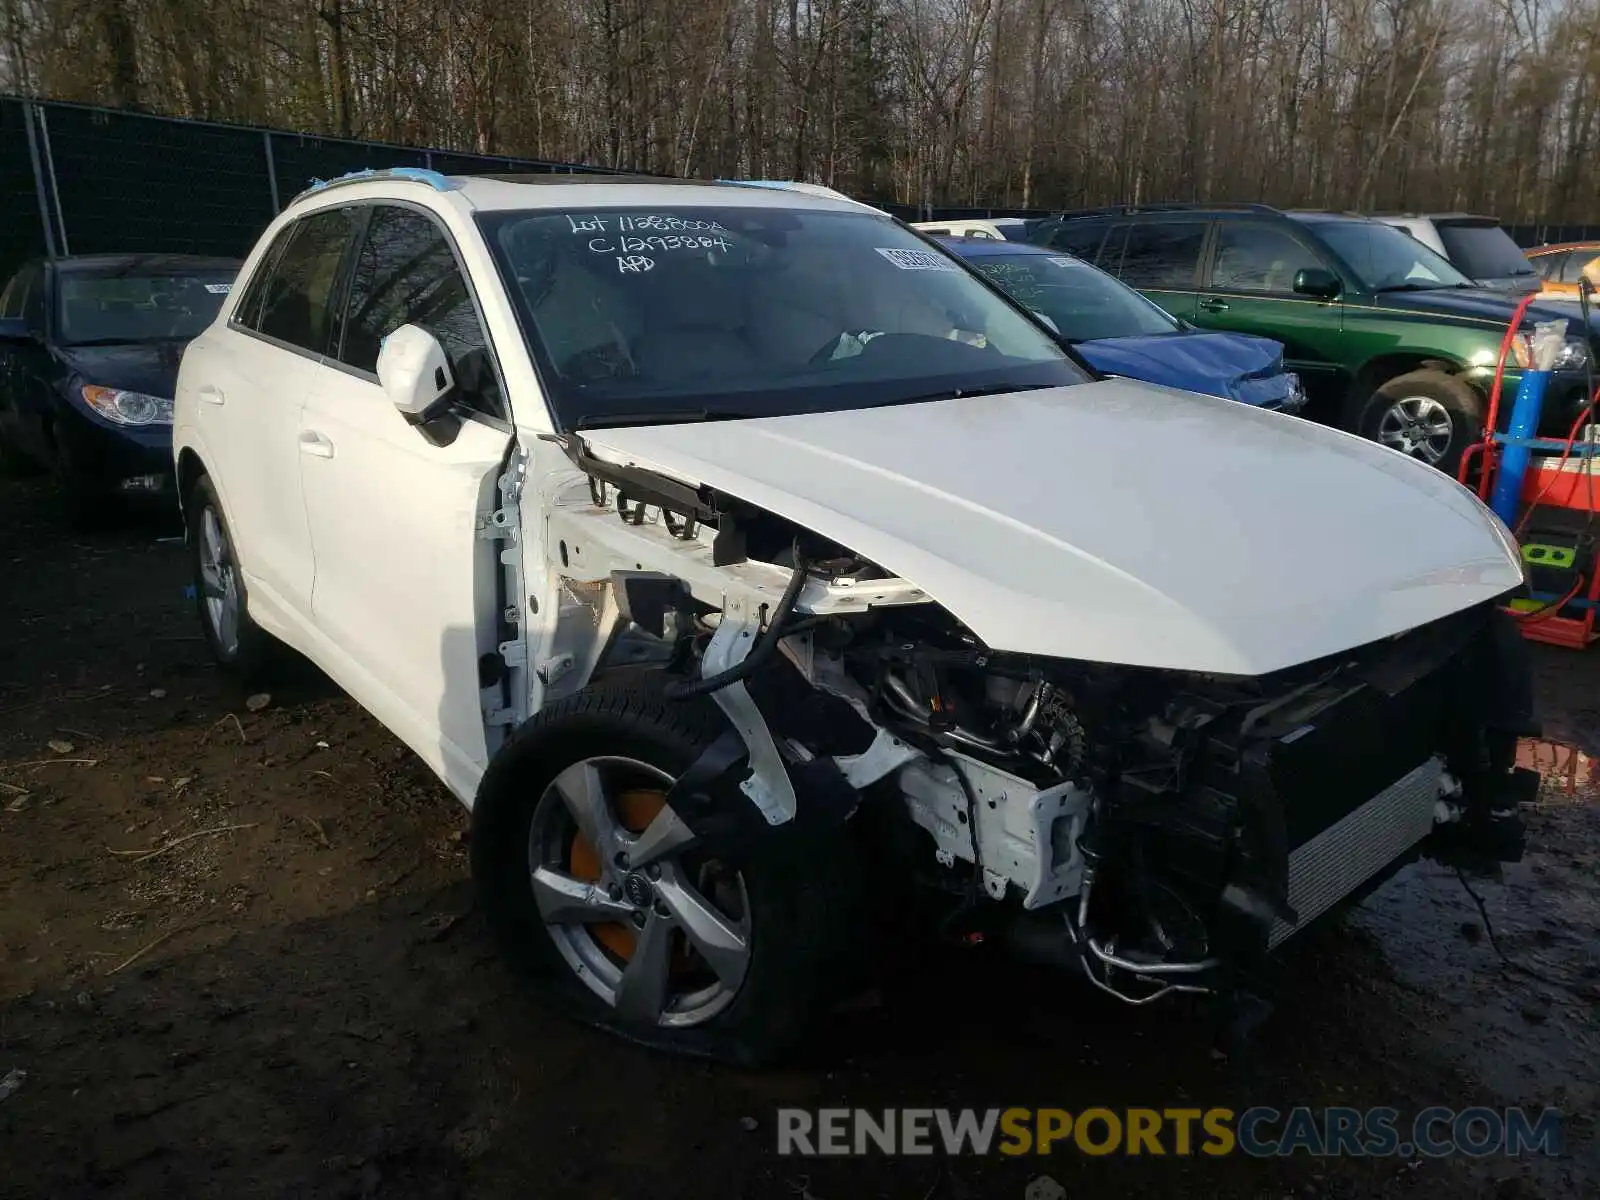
<point>916,260</point>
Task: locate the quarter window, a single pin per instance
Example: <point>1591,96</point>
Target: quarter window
<point>1258,258</point>
<point>248,312</point>
<point>1549,265</point>
<point>1163,254</point>
<point>33,300</point>
<point>298,302</point>
<point>1572,269</point>
<point>406,274</point>
<point>24,297</point>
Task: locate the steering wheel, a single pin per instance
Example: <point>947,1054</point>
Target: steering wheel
<point>826,353</point>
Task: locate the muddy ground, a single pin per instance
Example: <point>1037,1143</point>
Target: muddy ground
<point>238,957</point>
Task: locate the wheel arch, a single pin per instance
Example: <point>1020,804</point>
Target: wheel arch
<point>190,468</point>
<point>1378,370</point>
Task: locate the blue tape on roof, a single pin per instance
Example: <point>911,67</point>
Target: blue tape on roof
<point>766,183</point>
<point>435,180</point>
<point>439,183</point>
<point>319,184</point>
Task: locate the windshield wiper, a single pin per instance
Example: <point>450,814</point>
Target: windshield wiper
<point>961,393</point>
<point>1415,287</point>
<point>661,416</point>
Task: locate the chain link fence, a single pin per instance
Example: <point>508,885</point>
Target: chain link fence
<point>81,180</point>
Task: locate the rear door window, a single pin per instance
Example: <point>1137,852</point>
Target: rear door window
<point>1483,251</point>
<point>1163,255</point>
<point>407,274</point>
<point>298,304</point>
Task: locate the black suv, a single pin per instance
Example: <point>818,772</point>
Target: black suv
<point>1390,339</point>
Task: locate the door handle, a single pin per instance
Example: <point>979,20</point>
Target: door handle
<point>1214,305</point>
<point>210,395</point>
<point>314,443</point>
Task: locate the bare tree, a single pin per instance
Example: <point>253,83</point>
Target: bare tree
<point>1486,104</point>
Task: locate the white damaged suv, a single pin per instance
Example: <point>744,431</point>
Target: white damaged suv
<point>751,569</point>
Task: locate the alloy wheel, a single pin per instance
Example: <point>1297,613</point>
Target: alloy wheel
<point>219,582</point>
<point>1419,426</point>
<point>658,932</point>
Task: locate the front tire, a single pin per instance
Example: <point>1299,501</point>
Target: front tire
<point>1428,415</point>
<point>670,947</point>
<point>238,644</point>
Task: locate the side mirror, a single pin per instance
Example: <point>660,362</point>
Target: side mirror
<point>14,330</point>
<point>413,370</point>
<point>1317,281</point>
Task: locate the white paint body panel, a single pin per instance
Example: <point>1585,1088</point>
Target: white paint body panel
<point>1117,521</point>
<point>244,413</point>
<point>404,591</point>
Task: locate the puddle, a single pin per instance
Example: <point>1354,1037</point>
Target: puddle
<point>1525,1032</point>
<point>1569,773</point>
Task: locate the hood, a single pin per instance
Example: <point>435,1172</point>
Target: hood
<point>1514,285</point>
<point>1234,366</point>
<point>1116,521</point>
<point>1480,303</point>
<point>149,367</point>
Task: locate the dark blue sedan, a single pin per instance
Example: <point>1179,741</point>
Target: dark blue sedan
<point>89,350</point>
<point>1121,333</point>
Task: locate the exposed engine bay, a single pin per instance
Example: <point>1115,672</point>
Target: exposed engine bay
<point>1166,830</point>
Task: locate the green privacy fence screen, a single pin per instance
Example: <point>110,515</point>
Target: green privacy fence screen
<point>81,180</point>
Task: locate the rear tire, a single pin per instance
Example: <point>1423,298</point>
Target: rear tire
<point>1426,414</point>
<point>238,644</point>
<point>786,910</point>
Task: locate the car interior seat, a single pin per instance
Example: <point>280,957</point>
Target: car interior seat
<point>574,297</point>
<point>698,318</point>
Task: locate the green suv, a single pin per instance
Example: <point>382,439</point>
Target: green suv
<point>1391,341</point>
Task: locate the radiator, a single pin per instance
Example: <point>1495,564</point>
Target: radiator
<point>1337,861</point>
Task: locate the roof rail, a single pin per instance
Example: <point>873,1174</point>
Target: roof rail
<point>1122,210</point>
<point>793,185</point>
<point>432,179</point>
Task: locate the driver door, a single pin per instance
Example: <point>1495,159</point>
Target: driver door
<point>406,598</point>
<point>1249,288</point>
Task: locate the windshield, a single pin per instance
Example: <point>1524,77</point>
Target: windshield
<point>1083,302</point>
<point>138,308</point>
<point>1484,251</point>
<point>668,314</point>
<point>1387,259</point>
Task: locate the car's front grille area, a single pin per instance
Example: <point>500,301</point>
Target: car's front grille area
<point>1337,861</point>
